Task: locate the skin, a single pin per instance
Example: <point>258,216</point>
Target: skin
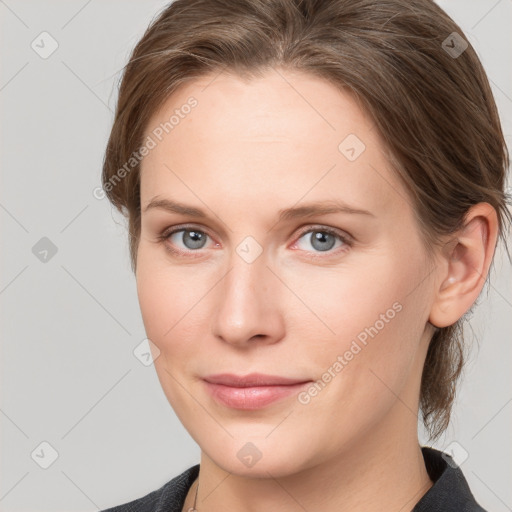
<point>248,150</point>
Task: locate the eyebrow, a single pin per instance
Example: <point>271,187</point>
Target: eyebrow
<point>307,210</point>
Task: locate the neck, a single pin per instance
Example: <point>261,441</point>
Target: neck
<point>381,471</point>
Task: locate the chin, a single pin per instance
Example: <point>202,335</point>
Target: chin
<point>257,456</point>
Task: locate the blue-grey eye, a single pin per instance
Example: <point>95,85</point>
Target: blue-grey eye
<point>321,240</point>
<point>192,239</point>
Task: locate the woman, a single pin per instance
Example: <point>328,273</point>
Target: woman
<point>314,191</point>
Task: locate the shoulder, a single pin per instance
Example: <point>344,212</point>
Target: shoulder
<point>168,498</point>
<point>450,490</point>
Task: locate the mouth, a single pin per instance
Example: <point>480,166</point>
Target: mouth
<point>253,391</point>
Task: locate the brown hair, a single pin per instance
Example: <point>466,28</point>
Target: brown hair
<point>433,108</point>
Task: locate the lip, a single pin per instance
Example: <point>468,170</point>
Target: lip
<point>252,391</point>
<point>251,380</point>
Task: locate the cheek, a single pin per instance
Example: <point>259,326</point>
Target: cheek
<point>153,299</point>
<point>362,319</point>
<point>173,304</point>
<point>167,305</point>
<point>155,294</point>
<point>368,359</point>
<point>163,292</point>
<point>350,303</point>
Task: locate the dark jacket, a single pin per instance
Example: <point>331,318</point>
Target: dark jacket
<point>449,493</point>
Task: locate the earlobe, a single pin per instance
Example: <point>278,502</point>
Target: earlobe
<point>467,259</point>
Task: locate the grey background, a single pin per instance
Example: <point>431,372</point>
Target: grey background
<point>69,325</point>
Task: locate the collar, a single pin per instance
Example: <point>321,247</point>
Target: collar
<point>450,491</point>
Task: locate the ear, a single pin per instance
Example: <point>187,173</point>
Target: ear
<point>465,262</point>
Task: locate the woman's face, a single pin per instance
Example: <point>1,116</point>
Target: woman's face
<point>258,279</point>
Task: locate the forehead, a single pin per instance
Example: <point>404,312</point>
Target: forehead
<point>286,134</point>
<point>280,104</point>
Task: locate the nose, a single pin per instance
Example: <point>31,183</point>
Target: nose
<point>249,305</point>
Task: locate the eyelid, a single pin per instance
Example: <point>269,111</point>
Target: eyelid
<point>184,227</point>
<point>343,235</point>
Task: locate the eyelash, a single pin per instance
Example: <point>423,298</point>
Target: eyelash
<point>345,239</point>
